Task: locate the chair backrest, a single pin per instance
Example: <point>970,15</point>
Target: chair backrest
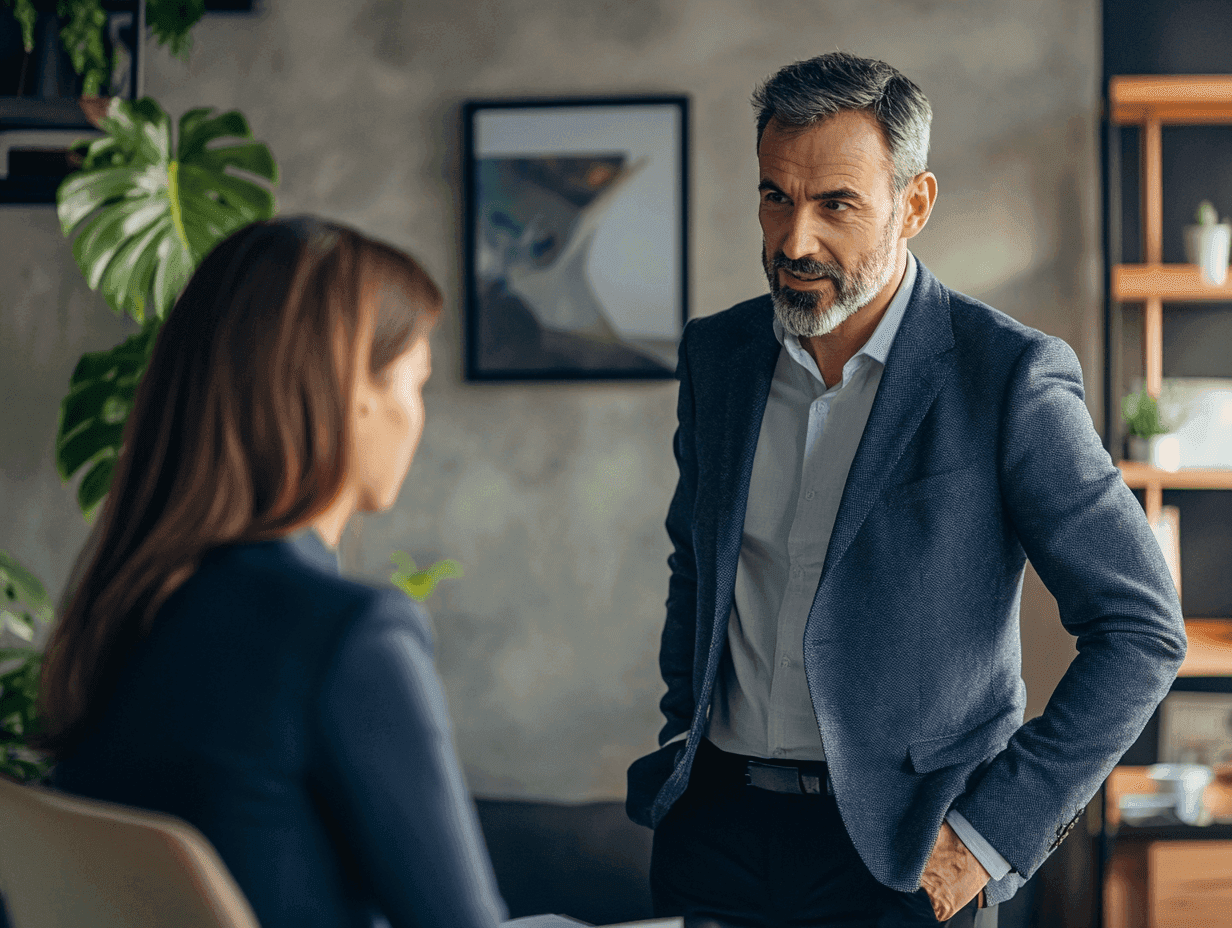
<point>67,862</point>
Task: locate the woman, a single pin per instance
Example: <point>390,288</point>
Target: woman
<point>211,662</point>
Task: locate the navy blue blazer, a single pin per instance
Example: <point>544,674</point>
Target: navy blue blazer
<point>296,719</point>
<point>979,453</point>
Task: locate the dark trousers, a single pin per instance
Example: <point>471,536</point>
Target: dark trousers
<point>728,854</point>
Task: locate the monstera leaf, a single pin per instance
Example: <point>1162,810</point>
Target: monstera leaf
<point>146,211</point>
<point>92,416</point>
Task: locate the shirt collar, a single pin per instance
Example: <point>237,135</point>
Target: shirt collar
<point>309,544</point>
<point>877,348</point>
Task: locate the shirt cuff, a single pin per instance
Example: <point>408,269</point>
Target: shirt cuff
<point>996,865</point>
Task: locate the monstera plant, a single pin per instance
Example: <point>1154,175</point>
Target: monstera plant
<point>146,207</point>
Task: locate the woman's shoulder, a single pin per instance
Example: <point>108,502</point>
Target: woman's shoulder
<point>293,584</point>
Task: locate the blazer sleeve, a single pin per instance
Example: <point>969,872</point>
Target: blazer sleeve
<point>1088,538</point>
<point>391,776</point>
<point>679,629</point>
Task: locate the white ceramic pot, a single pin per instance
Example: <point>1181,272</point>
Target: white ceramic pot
<point>1165,451</point>
<point>1208,247</point>
<point>1186,783</point>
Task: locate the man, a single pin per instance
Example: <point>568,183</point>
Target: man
<point>867,459</point>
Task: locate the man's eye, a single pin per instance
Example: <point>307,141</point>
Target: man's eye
<point>837,206</point>
<point>773,196</point>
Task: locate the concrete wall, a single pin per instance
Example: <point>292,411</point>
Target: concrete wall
<point>553,496</point>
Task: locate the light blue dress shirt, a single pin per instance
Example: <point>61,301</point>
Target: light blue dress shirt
<point>808,438</point>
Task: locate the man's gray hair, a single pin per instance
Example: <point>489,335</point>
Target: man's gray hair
<point>803,94</point>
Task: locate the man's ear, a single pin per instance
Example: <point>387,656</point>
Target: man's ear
<point>919,196</point>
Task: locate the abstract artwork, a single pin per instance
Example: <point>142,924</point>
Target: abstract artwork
<point>575,238</point>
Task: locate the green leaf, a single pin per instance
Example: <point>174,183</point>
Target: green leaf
<point>92,416</point>
<point>26,15</point>
<point>143,221</point>
<point>95,484</point>
<point>24,585</point>
<point>173,265</point>
<point>171,21</point>
<point>419,584</point>
<point>255,159</point>
<point>80,193</point>
<point>198,129</point>
<point>17,623</point>
<point>85,444</point>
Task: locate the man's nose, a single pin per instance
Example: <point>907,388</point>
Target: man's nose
<point>801,238</point>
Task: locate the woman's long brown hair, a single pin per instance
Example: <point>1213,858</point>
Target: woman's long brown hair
<point>238,432</point>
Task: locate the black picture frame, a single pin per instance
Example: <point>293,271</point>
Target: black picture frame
<point>575,237</point>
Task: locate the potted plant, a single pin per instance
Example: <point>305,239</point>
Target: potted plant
<point>1207,244</point>
<point>81,28</point>
<point>1148,438</point>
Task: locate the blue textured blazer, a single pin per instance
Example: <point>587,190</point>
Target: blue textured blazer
<point>979,453</point>
<point>296,719</point>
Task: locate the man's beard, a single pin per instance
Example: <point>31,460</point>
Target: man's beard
<point>797,310</point>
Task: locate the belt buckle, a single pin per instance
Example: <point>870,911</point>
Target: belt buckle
<point>773,777</point>
<point>781,778</point>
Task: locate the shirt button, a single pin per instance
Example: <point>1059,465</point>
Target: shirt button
<point>779,752</point>
<point>786,662</point>
<point>809,495</point>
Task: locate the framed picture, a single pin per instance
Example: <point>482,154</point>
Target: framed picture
<point>575,237</point>
<point>1196,728</point>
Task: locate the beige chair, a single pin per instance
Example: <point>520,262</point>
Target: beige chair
<point>67,862</point>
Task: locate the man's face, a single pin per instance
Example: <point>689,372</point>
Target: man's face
<point>829,219</point>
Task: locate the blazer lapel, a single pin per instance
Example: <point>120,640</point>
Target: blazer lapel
<point>916,368</point>
<point>747,376</point>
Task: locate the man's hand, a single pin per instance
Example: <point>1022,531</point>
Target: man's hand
<point>952,877</point>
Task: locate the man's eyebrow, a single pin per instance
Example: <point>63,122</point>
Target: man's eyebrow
<point>840,193</point>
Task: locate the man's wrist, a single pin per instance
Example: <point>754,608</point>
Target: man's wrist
<point>988,856</point>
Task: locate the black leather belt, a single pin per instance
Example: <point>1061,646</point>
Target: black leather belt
<point>810,779</point>
<point>718,768</point>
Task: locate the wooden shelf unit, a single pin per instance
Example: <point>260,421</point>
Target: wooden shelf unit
<point>1174,283</point>
<point>1210,650</point>
<point>1149,882</point>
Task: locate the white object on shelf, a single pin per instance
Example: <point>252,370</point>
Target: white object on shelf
<point>1165,451</point>
<point>1185,783</point>
<point>1207,246</point>
<point>1199,410</point>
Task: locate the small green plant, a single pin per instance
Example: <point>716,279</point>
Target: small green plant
<point>23,603</point>
<point>84,23</point>
<point>419,584</point>
<point>1141,413</point>
<point>1205,214</point>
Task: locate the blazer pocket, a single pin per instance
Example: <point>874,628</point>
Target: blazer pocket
<point>946,483</point>
<point>970,746</point>
<point>646,777</point>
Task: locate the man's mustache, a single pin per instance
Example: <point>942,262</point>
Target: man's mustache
<point>806,267</point>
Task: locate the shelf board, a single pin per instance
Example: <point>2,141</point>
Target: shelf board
<point>1188,99</point>
<point>1142,476</point>
<point>1179,283</point>
<point>1134,780</point>
<point>1210,648</point>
